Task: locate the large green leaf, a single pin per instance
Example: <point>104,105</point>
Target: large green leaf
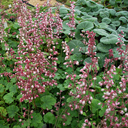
<point>1,88</point>
<point>63,10</point>
<point>112,12</point>
<point>91,4</point>
<point>104,14</point>
<point>102,25</point>
<point>48,102</point>
<point>125,2</point>
<point>65,26</point>
<point>124,29</point>
<point>106,20</point>
<point>110,39</point>
<point>103,47</point>
<point>112,2</point>
<point>100,32</point>
<point>116,23</point>
<point>8,98</point>
<point>37,119</point>
<point>102,111</point>
<point>123,19</point>
<point>95,105</point>
<point>86,25</point>
<point>49,118</point>
<point>12,110</point>
<point>75,44</point>
<point>3,111</point>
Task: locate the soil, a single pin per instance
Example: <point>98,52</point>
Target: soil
<point>41,2</point>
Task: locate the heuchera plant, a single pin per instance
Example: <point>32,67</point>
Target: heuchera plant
<point>95,99</point>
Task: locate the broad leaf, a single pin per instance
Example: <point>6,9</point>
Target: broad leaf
<point>49,118</point>
<point>37,119</point>
<point>86,25</point>
<point>110,39</point>
<point>3,111</point>
<point>48,102</point>
<point>106,20</point>
<point>102,111</point>
<point>76,45</point>
<point>8,98</point>
<point>100,32</point>
<point>95,105</point>
<point>103,48</point>
<point>1,88</point>
<point>12,110</point>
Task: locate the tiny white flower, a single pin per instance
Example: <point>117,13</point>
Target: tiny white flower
<point>9,6</point>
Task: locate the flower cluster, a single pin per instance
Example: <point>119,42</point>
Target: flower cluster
<point>35,68</point>
<point>72,23</point>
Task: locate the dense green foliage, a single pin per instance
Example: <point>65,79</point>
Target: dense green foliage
<point>69,104</point>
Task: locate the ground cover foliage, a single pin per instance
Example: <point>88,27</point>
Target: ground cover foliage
<point>64,67</point>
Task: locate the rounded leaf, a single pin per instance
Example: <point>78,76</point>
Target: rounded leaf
<point>125,2</point>
<point>91,4</point>
<point>104,14</point>
<point>110,39</point>
<point>103,47</point>
<point>75,44</point>
<point>65,26</point>
<point>49,118</point>
<point>116,23</point>
<point>100,32</point>
<point>12,110</point>
<point>48,102</point>
<point>106,20</point>
<point>86,25</point>
<point>123,19</point>
<point>95,105</point>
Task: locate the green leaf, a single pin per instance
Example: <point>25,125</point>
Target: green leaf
<point>1,88</point>
<point>95,105</point>
<point>92,19</point>
<point>65,26</point>
<point>13,89</point>
<point>75,44</point>
<point>69,119</point>
<point>122,13</point>
<point>102,111</point>
<point>86,25</point>
<point>91,4</point>
<point>37,119</point>
<point>3,111</point>
<point>112,12</point>
<point>103,47</point>
<point>124,29</point>
<point>123,19</point>
<point>48,102</point>
<point>102,25</point>
<point>12,110</point>
<point>104,14</point>
<point>112,2</point>
<point>100,32</point>
<point>8,98</point>
<point>13,80</point>
<point>2,124</point>
<point>26,123</point>
<point>106,20</point>
<point>63,10</point>
<point>16,126</point>
<point>87,60</point>
<point>110,39</point>
<point>125,2</point>
<point>49,118</point>
<point>116,23</point>
<point>16,25</point>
